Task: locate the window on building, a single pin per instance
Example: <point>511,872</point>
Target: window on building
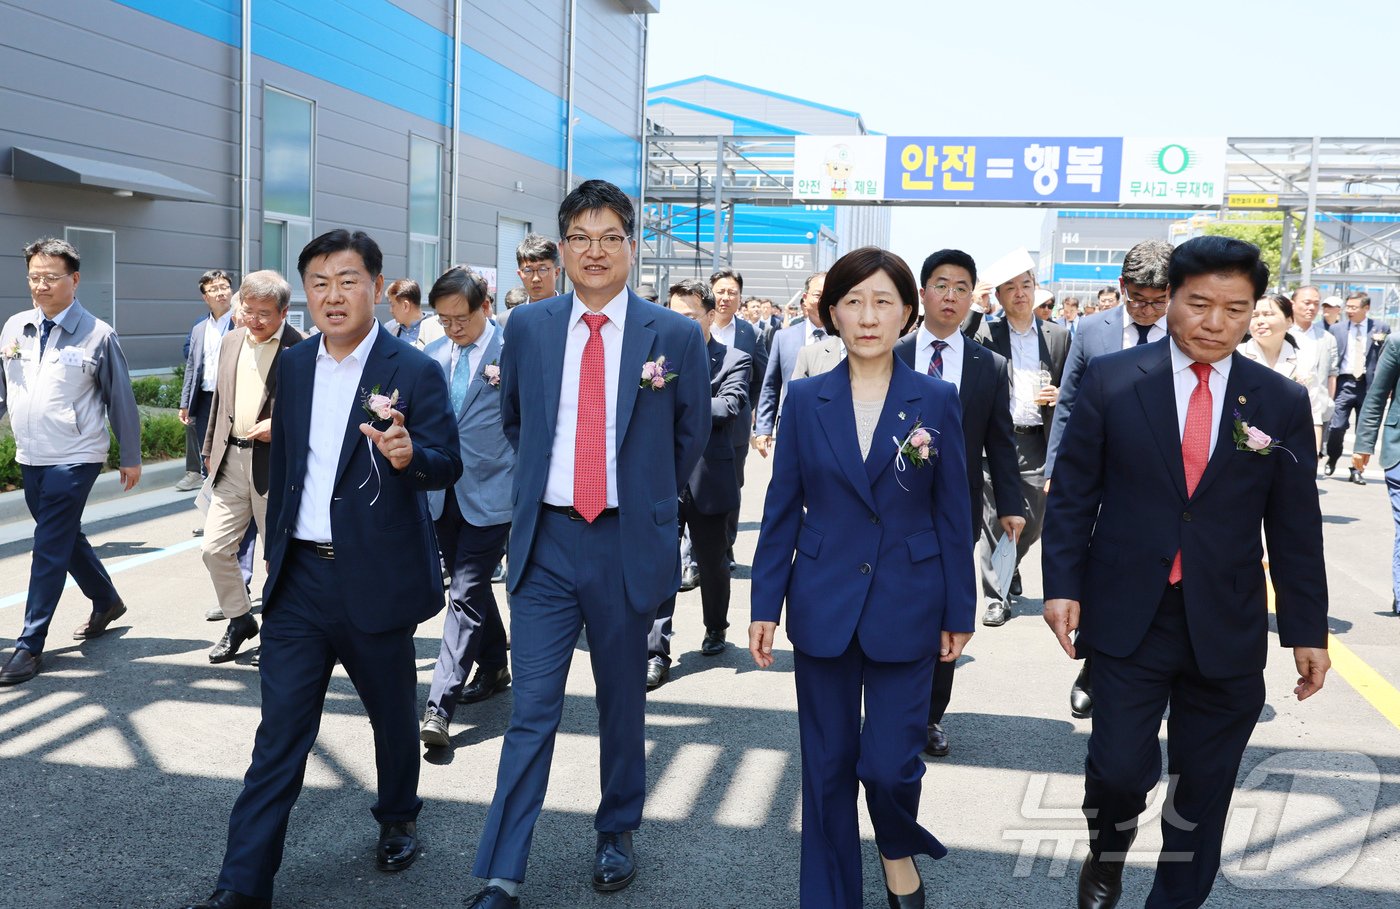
<point>288,156</point>
<point>1076,256</point>
<point>424,209</point>
<point>98,250</point>
<point>509,234</point>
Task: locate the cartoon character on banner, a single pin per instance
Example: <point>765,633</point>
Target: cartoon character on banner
<point>839,164</point>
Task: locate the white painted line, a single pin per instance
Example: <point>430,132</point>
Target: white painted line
<point>136,561</point>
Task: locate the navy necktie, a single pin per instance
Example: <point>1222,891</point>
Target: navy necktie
<point>1142,333</point>
<point>44,336</point>
<point>935,363</point>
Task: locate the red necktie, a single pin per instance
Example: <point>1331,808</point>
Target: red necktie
<point>591,437</point>
<point>1195,442</point>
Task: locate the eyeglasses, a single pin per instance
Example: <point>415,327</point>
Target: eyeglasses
<point>580,244</point>
<point>40,280</point>
<point>541,270</point>
<point>456,321</point>
<point>1146,304</point>
<point>948,290</point>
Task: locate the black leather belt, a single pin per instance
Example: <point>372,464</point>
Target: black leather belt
<point>240,443</point>
<point>1028,430</point>
<point>572,513</point>
<point>322,550</point>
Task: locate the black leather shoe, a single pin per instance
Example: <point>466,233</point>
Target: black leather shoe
<point>215,614</point>
<point>493,898</point>
<point>996,613</point>
<point>613,864</point>
<point>97,623</point>
<point>1331,467</point>
<point>485,683</point>
<point>1100,884</point>
<point>657,673</point>
<point>1081,695</point>
<point>398,846</point>
<point>937,745</point>
<point>1015,588</point>
<point>913,900</point>
<point>1356,477</point>
<point>20,667</point>
<point>713,645</point>
<point>256,658</point>
<point>239,632</point>
<point>690,579</point>
<point>227,899</point>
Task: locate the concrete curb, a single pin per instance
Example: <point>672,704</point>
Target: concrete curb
<point>108,486</point>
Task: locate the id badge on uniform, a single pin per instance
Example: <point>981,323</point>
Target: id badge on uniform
<point>70,356</point>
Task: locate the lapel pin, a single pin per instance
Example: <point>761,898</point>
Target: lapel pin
<point>901,414</point>
<point>1242,400</point>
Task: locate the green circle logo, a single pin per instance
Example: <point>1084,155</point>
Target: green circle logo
<point>1173,159</point>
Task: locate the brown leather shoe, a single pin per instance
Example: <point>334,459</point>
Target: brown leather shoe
<point>20,667</point>
<point>97,623</point>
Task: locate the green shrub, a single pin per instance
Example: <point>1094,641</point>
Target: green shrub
<point>155,391</point>
<point>9,467</point>
<point>162,436</point>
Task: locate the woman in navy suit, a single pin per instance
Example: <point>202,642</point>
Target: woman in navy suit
<point>867,536</point>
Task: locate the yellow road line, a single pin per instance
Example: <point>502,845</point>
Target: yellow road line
<point>1368,683</point>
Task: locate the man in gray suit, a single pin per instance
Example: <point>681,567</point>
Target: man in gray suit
<point>1036,351</point>
<point>473,517</point>
<point>1384,384</point>
<point>1142,321</point>
<point>782,360</point>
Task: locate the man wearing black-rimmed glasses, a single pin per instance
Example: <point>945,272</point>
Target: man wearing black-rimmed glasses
<point>1141,320</point>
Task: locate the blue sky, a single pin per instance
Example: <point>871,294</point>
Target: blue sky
<point>1020,68</point>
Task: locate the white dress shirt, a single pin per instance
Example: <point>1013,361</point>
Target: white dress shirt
<point>335,389</point>
<point>1157,332</point>
<point>724,335</point>
<point>1354,354</point>
<point>559,484</point>
<point>1025,375</point>
<point>809,332</point>
<point>1184,381</point>
<point>474,356</point>
<point>214,330</point>
<point>952,355</point>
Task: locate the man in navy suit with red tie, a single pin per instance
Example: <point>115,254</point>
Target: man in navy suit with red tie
<point>606,399</point>
<point>1176,453</point>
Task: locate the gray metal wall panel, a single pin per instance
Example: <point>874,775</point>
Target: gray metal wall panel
<point>609,64</point>
<point>526,36</point>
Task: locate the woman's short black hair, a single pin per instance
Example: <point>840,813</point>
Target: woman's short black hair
<point>859,264</point>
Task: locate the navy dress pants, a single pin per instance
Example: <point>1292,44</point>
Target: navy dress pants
<point>1210,724</point>
<point>573,581</point>
<point>56,496</point>
<point>472,631</point>
<point>838,752</point>
<point>305,630</point>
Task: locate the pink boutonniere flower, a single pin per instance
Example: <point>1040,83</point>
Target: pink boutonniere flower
<point>656,374</point>
<point>917,448</point>
<point>1252,438</point>
<point>491,372</point>
<point>13,352</point>
<point>379,406</point>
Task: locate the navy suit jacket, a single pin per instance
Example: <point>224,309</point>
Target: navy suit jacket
<point>386,553</point>
<point>488,461</point>
<point>714,484</point>
<point>782,359</point>
<point>660,433</point>
<point>194,364</point>
<point>1099,333</point>
<point>866,548</point>
<point>746,339</point>
<point>1118,513</point>
<point>1373,346</point>
<point>984,391</point>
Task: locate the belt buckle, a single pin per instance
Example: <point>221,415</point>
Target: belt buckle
<point>325,550</point>
<point>575,514</point>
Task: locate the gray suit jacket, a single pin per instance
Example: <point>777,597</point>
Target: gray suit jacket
<point>815,359</point>
<point>1098,334</point>
<point>488,461</point>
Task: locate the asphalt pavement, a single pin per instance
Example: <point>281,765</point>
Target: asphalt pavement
<point>119,763</point>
